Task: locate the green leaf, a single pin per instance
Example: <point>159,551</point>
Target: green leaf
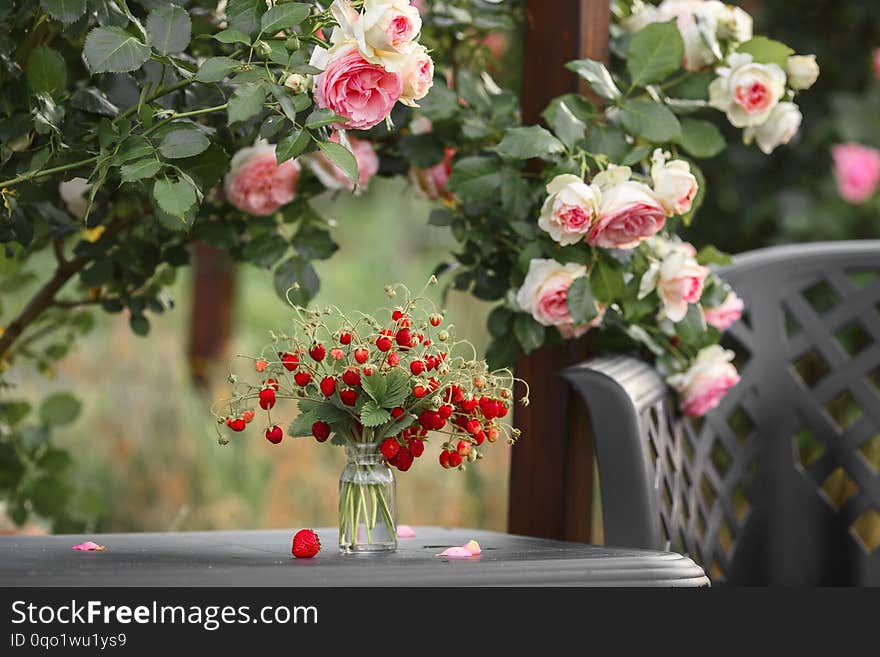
<point>66,11</point>
<point>441,217</point>
<point>324,410</point>
<point>183,142</point>
<point>314,243</point>
<point>292,271</point>
<point>499,321</point>
<point>302,425</point>
<point>113,50</point>
<point>701,138</point>
<point>597,75</point>
<point>94,101</point>
<point>422,150</point>
<point>341,157</point>
<point>581,302</point>
<point>608,140</point>
<point>141,169</point>
<point>766,51</point>
<point>265,250</point>
<point>169,29</point>
<point>529,142</point>
<point>139,324</point>
<point>606,280</point>
<point>373,415</point>
<point>232,36</point>
<point>214,69</point>
<point>693,326</point>
<point>292,145</point>
<point>475,178</point>
<point>281,17</point>
<point>375,386</point>
<point>59,409</point>
<point>709,255</point>
<point>244,15</point>
<point>568,116</point>
<point>14,412</point>
<point>322,117</point>
<point>655,53</point>
<point>502,352</point>
<point>396,387</point>
<point>175,198</point>
<point>637,154</point>
<point>650,120</point>
<point>46,71</point>
<point>246,101</point>
<point>530,333</point>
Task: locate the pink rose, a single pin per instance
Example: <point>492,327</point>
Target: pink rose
<point>747,91</point>
<point>544,295</point>
<point>433,181</point>
<point>674,184</point>
<point>679,281</point>
<point>332,177</point>
<point>569,210</point>
<point>418,76</point>
<point>256,184</point>
<point>705,383</point>
<point>727,314</point>
<point>628,214</point>
<point>352,87</point>
<point>857,169</point>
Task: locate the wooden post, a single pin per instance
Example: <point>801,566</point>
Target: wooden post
<point>212,305</point>
<point>551,473</point>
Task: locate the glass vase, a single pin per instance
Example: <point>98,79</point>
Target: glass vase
<point>367,502</point>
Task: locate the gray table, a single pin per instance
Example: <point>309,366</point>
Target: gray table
<point>262,558</point>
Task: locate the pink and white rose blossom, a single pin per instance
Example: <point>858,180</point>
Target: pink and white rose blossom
<point>418,76</point>
<point>569,210</point>
<point>362,92</point>
<point>679,281</point>
<point>333,177</point>
<point>857,171</point>
<point>803,71</point>
<point>779,128</point>
<point>747,91</point>
<point>629,212</point>
<point>433,181</point>
<point>387,26</point>
<point>705,383</point>
<point>544,294</point>
<point>674,184</point>
<point>725,315</point>
<point>256,184</point>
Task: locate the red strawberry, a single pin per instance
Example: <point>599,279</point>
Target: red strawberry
<point>439,422</point>
<point>428,418</point>
<point>247,416</point>
<point>463,447</point>
<point>430,362</point>
<point>416,447</point>
<point>454,459</point>
<point>306,544</point>
<point>348,397</point>
<point>404,459</point>
<point>273,383</point>
<point>473,426</point>
<point>389,448</point>
<point>397,412</point>
<point>302,378</point>
<point>396,315</point>
<point>502,410</point>
<point>267,398</point>
<point>237,424</point>
<point>317,352</point>
<point>491,434</point>
<point>337,354</point>
<point>489,408</point>
<point>321,430</point>
<point>433,384</point>
<point>274,434</point>
<point>416,367</point>
<point>444,459</point>
<point>479,437</point>
<point>328,386</point>
<point>420,391</point>
<point>468,404</point>
<point>290,362</point>
<point>368,371</point>
<point>403,337</point>
<point>445,411</point>
<point>383,343</point>
<point>435,319</point>
<point>261,365</point>
<point>351,377</point>
<point>393,359</point>
<point>361,355</point>
<point>345,338</point>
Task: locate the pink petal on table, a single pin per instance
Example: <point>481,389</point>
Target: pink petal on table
<point>89,546</point>
<point>473,547</point>
<point>405,531</point>
<point>456,553</point>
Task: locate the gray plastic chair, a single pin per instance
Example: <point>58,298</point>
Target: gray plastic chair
<point>780,483</point>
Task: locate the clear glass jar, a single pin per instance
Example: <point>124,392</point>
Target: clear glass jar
<point>367,502</point>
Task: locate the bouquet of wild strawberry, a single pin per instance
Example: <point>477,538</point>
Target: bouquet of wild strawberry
<point>382,385</point>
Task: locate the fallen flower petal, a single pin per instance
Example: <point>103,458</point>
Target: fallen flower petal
<point>405,531</point>
<point>89,546</point>
<point>456,553</point>
<point>473,547</point>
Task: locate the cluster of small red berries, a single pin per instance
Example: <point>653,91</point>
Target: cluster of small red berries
<point>401,450</point>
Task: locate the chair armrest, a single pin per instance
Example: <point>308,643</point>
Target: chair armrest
<point>619,391</point>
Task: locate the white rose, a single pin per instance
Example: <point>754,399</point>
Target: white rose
<point>747,92</point>
<point>643,16</point>
<point>73,194</point>
<point>679,281</point>
<point>674,184</point>
<point>385,30</point>
<point>544,292</point>
<point>569,210</point>
<point>734,24</point>
<point>803,71</point>
<point>697,23</point>
<point>418,75</point>
<point>779,128</point>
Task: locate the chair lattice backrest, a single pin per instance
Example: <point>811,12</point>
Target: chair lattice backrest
<point>781,483</point>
